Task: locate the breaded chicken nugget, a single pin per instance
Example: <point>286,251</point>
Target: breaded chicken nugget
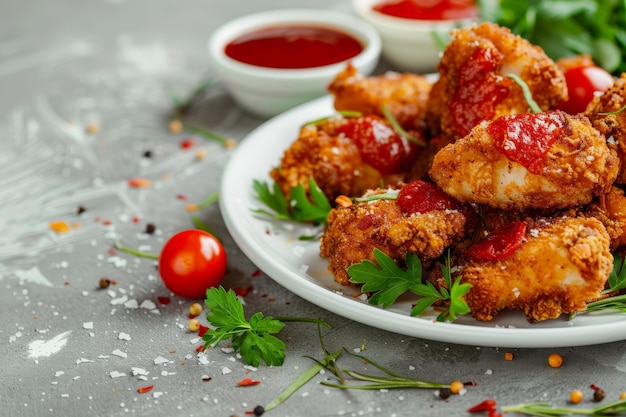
<point>473,85</point>
<point>562,264</point>
<point>548,160</point>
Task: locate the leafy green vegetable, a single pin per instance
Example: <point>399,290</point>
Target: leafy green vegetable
<point>299,207</point>
<point>387,281</point>
<point>252,339</point>
<point>617,278</point>
<point>567,27</point>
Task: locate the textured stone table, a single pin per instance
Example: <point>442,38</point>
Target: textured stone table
<point>84,108</point>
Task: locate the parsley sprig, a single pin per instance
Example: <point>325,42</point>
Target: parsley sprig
<point>387,281</point>
<point>299,207</point>
<point>253,338</point>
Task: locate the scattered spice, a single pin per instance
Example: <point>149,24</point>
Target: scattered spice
<point>598,393</point>
<point>195,309</point>
<point>139,183</point>
<point>194,325</point>
<point>622,396</point>
<point>444,393</point>
<point>248,382</point>
<point>576,396</point>
<point>187,143</point>
<point>555,360</point>
<point>147,154</point>
<point>104,283</point>
<point>145,389</point>
<point>150,228</point>
<point>92,128</point>
<point>59,226</point>
<point>343,201</point>
<point>164,300</point>
<point>200,154</point>
<point>175,126</point>
<point>456,387</point>
<point>80,210</point>
<point>508,356</point>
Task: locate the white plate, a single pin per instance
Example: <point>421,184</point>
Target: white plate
<point>274,247</point>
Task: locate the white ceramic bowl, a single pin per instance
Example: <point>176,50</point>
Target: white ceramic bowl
<point>408,44</point>
<point>269,91</point>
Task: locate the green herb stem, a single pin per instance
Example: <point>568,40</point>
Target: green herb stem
<point>209,134</point>
<point>534,107</point>
<point>544,409</point>
<point>301,380</point>
<point>304,320</point>
<point>199,224</point>
<point>135,252</point>
<point>399,129</point>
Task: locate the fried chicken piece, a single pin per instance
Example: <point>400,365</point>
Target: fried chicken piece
<point>605,115</point>
<point>549,160</point>
<point>354,232</point>
<point>346,156</point>
<point>473,83</point>
<point>562,264</point>
<point>610,209</point>
<point>405,95</point>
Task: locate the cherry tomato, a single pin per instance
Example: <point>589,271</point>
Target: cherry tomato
<point>582,83</point>
<point>190,262</point>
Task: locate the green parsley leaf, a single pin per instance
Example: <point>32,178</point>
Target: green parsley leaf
<point>617,278</point>
<point>299,208</point>
<point>252,339</point>
<point>387,281</point>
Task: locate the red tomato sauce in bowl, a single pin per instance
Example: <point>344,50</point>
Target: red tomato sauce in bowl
<point>429,9</point>
<point>293,47</point>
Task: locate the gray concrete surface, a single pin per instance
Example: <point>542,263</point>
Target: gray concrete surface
<point>68,348</point>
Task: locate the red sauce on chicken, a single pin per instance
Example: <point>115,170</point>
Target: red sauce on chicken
<point>429,9</point>
<point>422,197</point>
<point>379,145</point>
<point>526,138</point>
<point>293,47</point>
<point>479,90</point>
<point>500,243</point>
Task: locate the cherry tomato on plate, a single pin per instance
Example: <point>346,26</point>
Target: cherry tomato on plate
<point>192,261</point>
<point>582,84</point>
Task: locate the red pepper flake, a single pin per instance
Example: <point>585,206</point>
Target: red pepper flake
<point>136,220</point>
<point>145,389</point>
<point>66,283</point>
<point>206,378</point>
<point>200,348</point>
<point>106,222</point>
<point>487,405</point>
<point>247,382</point>
<point>187,143</point>
<point>202,330</point>
<point>112,251</point>
<point>164,300</point>
<point>181,197</point>
<point>243,291</point>
<point>271,299</point>
<point>139,182</point>
<point>256,273</point>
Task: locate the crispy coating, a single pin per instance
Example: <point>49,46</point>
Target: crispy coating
<point>511,54</point>
<point>578,166</point>
<point>563,263</point>
<point>331,159</point>
<point>405,95</point>
<point>610,209</point>
<point>354,232</point>
<point>612,126</point>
